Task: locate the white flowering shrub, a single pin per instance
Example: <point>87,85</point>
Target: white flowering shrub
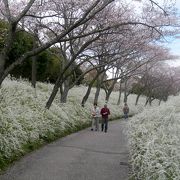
<point>25,123</point>
<point>154,137</point>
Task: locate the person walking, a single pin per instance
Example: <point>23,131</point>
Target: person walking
<point>95,118</point>
<point>125,111</point>
<point>105,112</point>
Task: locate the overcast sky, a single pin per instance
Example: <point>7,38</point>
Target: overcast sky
<point>174,45</point>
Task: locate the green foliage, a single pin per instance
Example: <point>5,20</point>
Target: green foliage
<point>137,89</point>
<point>23,42</point>
<point>3,32</point>
<point>54,68</point>
<point>48,64</point>
<point>76,74</point>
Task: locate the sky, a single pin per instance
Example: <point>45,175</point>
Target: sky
<point>174,44</point>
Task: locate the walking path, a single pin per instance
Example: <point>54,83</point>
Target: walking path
<point>85,155</point>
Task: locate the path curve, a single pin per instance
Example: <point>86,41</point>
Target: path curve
<point>85,155</point>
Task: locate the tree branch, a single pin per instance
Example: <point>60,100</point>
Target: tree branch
<point>26,9</point>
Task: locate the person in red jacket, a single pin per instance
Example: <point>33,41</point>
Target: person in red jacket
<point>105,112</point>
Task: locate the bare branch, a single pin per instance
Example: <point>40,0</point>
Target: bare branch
<point>26,9</point>
<point>153,2</point>
<point>8,13</point>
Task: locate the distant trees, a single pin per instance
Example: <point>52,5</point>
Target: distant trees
<point>158,82</point>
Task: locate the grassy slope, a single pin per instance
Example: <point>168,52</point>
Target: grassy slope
<point>155,142</point>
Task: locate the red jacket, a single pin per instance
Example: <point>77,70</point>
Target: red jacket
<point>105,112</point>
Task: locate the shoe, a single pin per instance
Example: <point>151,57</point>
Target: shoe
<point>91,129</point>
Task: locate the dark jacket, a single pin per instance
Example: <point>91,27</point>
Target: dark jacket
<point>126,109</point>
<point>105,112</point>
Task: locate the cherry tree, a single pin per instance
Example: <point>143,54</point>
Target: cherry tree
<point>27,16</point>
<point>63,22</point>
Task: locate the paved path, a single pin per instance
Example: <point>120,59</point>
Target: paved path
<point>84,155</point>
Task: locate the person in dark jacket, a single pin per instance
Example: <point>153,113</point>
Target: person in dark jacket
<point>105,112</point>
<point>125,111</point>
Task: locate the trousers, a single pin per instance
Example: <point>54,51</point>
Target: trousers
<point>95,123</point>
<point>104,124</point>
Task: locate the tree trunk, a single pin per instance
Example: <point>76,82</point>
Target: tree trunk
<point>107,96</point>
<point>2,64</point>
<point>5,51</point>
<point>98,87</point>
<point>34,64</point>
<point>147,100</point>
<point>64,96</point>
<point>86,95</point>
<point>125,91</point>
<point>34,72</point>
<point>85,98</point>
<point>58,83</point>
<point>52,96</point>
<point>110,90</point>
<point>160,102</point>
<point>120,91</point>
<point>151,100</point>
<point>137,99</point>
<point>64,92</point>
